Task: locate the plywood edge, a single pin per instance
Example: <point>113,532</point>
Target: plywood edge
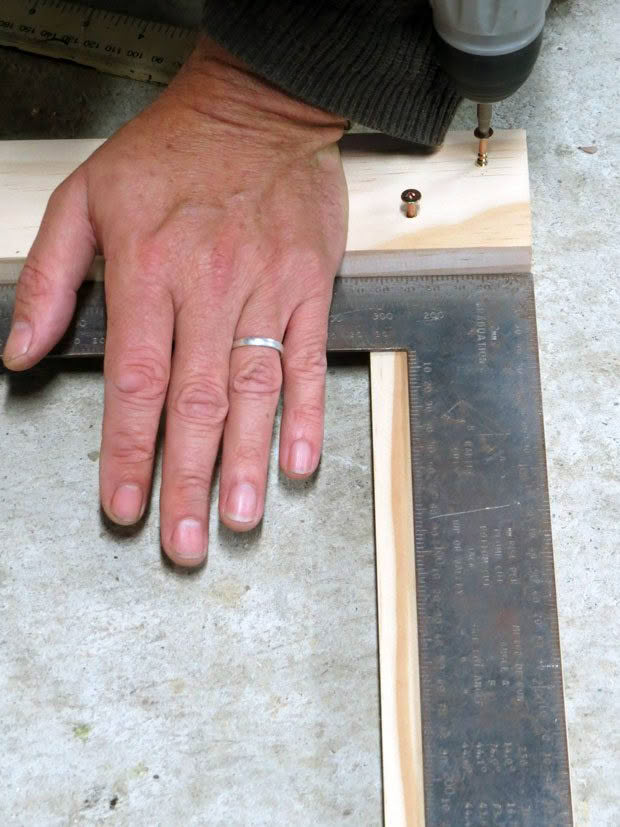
<point>437,262</point>
<point>401,724</point>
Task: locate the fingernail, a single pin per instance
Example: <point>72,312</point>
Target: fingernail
<point>241,503</point>
<point>18,342</point>
<point>300,457</point>
<point>127,503</point>
<point>188,539</point>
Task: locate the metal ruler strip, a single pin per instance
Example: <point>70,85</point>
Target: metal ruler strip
<point>494,738</point>
<point>118,44</point>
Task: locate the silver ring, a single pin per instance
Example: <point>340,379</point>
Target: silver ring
<point>259,341</point>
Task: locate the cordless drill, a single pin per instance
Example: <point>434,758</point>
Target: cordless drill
<point>488,48</point>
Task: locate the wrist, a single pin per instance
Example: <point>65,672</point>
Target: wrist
<point>217,84</point>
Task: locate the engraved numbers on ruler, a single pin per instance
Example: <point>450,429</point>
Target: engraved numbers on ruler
<point>383,330</point>
<point>116,43</point>
<point>85,339</point>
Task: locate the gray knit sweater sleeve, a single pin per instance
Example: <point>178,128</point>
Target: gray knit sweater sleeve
<point>372,61</point>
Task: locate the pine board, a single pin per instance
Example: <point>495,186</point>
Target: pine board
<point>401,724</point>
<point>470,220</point>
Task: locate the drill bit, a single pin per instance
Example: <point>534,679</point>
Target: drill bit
<point>483,132</point>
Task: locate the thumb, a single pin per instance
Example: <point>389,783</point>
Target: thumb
<point>56,265</point>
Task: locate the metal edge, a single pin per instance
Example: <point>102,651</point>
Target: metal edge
<point>531,299</point>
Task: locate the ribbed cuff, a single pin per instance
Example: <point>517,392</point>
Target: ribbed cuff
<point>363,60</point>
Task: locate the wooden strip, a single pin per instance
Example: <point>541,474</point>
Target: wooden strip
<point>437,262</point>
<point>470,220</point>
<point>401,726</point>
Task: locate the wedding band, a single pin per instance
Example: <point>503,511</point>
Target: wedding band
<point>258,341</point>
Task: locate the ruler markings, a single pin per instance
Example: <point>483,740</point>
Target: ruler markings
<point>116,43</point>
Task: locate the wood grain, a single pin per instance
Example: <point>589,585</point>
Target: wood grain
<point>401,727</point>
<point>470,220</point>
<point>466,212</point>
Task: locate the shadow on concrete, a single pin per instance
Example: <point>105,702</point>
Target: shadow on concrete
<point>29,383</point>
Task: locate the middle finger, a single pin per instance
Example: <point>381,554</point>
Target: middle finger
<point>195,414</point>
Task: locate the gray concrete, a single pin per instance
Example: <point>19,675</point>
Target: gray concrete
<point>247,694</point>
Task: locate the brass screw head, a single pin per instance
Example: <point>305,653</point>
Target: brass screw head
<point>411,199</point>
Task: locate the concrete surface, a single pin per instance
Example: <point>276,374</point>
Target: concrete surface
<point>247,694</point>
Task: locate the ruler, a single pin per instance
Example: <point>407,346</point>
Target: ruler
<point>493,724</point>
<point>114,43</point>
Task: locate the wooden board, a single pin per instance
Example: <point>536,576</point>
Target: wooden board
<point>470,220</point>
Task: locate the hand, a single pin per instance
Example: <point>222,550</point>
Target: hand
<point>221,212</point>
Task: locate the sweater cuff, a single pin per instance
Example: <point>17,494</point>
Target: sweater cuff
<point>360,60</point>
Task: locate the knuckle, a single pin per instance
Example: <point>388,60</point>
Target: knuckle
<point>250,455</point>
<point>217,263</point>
<point>151,254</point>
<point>69,195</point>
<point>201,401</point>
<point>58,195</point>
<point>260,375</point>
<point>308,263</point>
<point>142,377</point>
<point>308,414</point>
<point>312,263</point>
<point>129,447</point>
<point>35,282</point>
<point>191,485</point>
<point>307,364</point>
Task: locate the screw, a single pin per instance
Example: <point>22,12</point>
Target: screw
<point>411,199</point>
<point>483,146</point>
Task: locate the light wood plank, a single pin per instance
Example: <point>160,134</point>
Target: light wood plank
<point>401,726</point>
<point>465,209</point>
<point>471,219</point>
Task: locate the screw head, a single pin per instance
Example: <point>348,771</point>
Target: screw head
<point>411,196</point>
<point>482,135</point>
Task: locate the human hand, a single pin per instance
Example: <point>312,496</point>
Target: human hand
<point>221,213</point>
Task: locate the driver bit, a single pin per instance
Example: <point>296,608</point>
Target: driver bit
<point>483,132</point>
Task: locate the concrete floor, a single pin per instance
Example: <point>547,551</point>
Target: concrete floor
<point>131,694</point>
